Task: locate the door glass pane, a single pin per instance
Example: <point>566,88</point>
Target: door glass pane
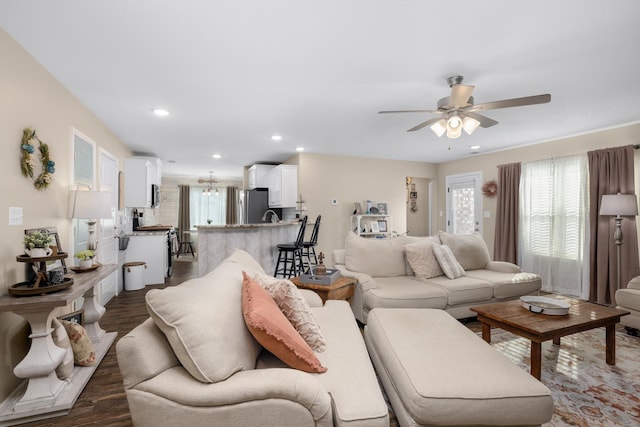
<point>464,203</point>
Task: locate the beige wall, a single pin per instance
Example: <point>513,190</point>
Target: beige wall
<point>487,164</point>
<point>353,179</point>
<point>32,97</point>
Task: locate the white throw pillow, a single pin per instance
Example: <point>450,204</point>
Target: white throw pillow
<point>451,267</point>
<point>421,258</point>
<point>202,320</point>
<point>295,308</point>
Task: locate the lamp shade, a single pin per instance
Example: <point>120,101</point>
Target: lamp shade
<point>619,204</point>
<point>90,204</point>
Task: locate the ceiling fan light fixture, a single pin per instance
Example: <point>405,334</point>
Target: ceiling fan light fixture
<point>439,127</point>
<point>469,124</point>
<point>454,133</point>
<point>454,121</point>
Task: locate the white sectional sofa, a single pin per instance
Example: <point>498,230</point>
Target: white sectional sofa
<point>384,269</point>
<point>195,363</point>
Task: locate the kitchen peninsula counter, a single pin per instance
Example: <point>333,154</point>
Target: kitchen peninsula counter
<point>216,242</point>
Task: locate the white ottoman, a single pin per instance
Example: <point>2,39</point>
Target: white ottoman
<point>629,299</point>
<point>436,372</point>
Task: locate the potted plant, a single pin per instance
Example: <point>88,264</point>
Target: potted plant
<point>36,244</point>
<point>85,258</point>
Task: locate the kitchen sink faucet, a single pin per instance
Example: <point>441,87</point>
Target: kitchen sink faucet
<point>274,216</point>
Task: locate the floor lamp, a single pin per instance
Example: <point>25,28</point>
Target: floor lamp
<point>619,205</point>
<point>91,205</point>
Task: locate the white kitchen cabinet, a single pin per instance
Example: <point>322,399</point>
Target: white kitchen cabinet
<point>258,176</point>
<point>138,177</point>
<point>151,248</point>
<point>283,186</point>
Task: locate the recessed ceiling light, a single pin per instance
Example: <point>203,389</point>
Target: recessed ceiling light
<point>276,137</point>
<point>160,112</point>
<point>216,156</point>
<point>474,147</point>
<point>299,149</point>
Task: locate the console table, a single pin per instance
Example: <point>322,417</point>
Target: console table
<point>42,395</point>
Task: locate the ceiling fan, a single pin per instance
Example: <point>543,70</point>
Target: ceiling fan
<point>457,111</point>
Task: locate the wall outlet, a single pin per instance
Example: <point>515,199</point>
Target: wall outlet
<point>334,202</point>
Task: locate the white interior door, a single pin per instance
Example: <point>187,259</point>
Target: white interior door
<point>464,203</point>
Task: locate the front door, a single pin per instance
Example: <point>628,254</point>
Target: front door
<point>464,203</point>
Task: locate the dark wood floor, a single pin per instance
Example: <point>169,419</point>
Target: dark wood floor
<point>103,401</point>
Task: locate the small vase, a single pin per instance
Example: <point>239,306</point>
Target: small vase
<point>86,263</point>
<point>38,252</point>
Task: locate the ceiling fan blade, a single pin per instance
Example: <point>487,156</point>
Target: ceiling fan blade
<point>460,95</point>
<point>423,124</point>
<point>410,111</point>
<point>485,121</point>
<point>507,103</point>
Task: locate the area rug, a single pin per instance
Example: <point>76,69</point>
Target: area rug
<point>586,391</point>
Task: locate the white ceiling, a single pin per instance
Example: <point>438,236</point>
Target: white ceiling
<point>233,73</point>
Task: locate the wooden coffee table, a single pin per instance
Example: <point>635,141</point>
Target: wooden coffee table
<point>512,317</point>
<point>342,288</point>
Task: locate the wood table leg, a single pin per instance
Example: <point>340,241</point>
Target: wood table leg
<point>486,332</point>
<point>556,341</point>
<point>536,359</point>
<point>611,344</point>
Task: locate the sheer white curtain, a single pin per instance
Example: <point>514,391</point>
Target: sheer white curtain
<point>212,207</point>
<point>554,223</point>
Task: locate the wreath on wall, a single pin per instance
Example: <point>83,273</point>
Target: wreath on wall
<point>490,188</point>
<point>28,164</point>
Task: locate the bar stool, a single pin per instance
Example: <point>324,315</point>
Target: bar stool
<point>309,248</point>
<point>186,244</point>
<point>290,255</point>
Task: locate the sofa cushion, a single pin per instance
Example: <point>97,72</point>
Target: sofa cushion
<point>509,285</point>
<point>202,320</point>
<point>405,292</point>
<point>469,249</point>
<point>447,260</point>
<point>84,353</point>
<point>295,308</point>
<point>421,258</point>
<point>272,329</point>
<point>375,257</point>
<point>464,290</point>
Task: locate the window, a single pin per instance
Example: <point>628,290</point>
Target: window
<point>554,202</point>
<point>205,208</point>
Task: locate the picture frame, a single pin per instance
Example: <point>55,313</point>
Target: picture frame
<point>374,227</point>
<point>55,246</point>
<point>382,226</point>
<point>74,317</point>
<point>382,208</point>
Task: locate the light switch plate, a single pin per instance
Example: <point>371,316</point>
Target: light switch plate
<point>15,216</point>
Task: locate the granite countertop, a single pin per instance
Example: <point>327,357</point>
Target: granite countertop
<point>147,233</point>
<point>206,227</point>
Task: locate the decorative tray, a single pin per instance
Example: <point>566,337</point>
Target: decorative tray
<point>24,289</point>
<point>85,270</point>
<point>544,305</point>
<point>327,279</point>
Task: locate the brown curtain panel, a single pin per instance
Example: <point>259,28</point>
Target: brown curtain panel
<point>232,205</point>
<point>505,242</point>
<point>184,212</point>
<point>610,172</point>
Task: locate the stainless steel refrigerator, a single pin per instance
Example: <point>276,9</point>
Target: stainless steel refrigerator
<point>256,203</point>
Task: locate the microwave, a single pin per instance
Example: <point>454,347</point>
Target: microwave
<point>155,195</point>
